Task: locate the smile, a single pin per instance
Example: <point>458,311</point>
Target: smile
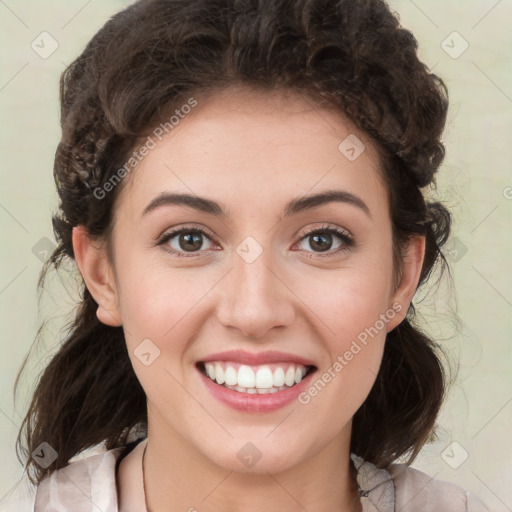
<point>251,382</point>
<point>259,379</point>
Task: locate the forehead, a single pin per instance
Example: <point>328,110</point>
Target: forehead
<point>245,145</point>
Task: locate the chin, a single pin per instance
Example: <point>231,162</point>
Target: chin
<point>257,457</point>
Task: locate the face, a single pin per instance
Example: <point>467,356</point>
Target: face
<point>262,295</point>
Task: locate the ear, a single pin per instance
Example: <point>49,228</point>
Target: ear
<point>413,262</point>
<point>98,276</point>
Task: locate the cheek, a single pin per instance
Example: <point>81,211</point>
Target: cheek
<point>347,302</point>
<point>158,307</point>
<point>155,297</point>
<point>352,329</point>
<point>350,313</point>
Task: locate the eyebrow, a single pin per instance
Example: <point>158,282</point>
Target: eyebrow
<point>295,206</point>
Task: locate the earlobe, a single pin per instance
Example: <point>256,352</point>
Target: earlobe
<point>98,276</point>
<point>412,265</point>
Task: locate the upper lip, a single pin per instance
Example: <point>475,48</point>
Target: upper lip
<point>251,358</point>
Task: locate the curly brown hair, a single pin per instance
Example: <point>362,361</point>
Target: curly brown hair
<point>351,56</point>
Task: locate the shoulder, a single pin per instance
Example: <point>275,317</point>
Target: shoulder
<point>89,480</point>
<point>415,490</point>
<point>19,497</point>
<point>400,487</point>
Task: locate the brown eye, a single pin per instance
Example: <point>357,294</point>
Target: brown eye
<point>321,240</point>
<point>189,240</point>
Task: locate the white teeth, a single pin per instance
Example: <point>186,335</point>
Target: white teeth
<point>231,376</point>
<point>246,377</point>
<point>264,378</point>
<point>278,378</point>
<point>255,379</point>
<point>219,374</point>
<point>289,378</point>
<point>253,391</point>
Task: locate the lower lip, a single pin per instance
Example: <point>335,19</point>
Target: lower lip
<point>254,403</point>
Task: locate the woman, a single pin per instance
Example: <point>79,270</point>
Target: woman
<point>241,188</point>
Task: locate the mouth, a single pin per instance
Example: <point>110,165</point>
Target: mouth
<point>255,379</point>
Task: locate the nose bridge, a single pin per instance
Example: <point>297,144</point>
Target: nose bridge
<point>256,298</point>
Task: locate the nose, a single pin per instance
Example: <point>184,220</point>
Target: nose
<point>256,298</point>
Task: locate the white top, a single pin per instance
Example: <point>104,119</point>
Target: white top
<point>88,484</point>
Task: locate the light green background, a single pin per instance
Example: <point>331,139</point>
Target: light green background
<point>473,182</point>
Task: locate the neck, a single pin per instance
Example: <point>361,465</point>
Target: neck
<point>324,483</point>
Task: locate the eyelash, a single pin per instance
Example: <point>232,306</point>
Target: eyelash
<point>344,236</point>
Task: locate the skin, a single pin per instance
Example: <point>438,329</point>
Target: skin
<point>253,152</point>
